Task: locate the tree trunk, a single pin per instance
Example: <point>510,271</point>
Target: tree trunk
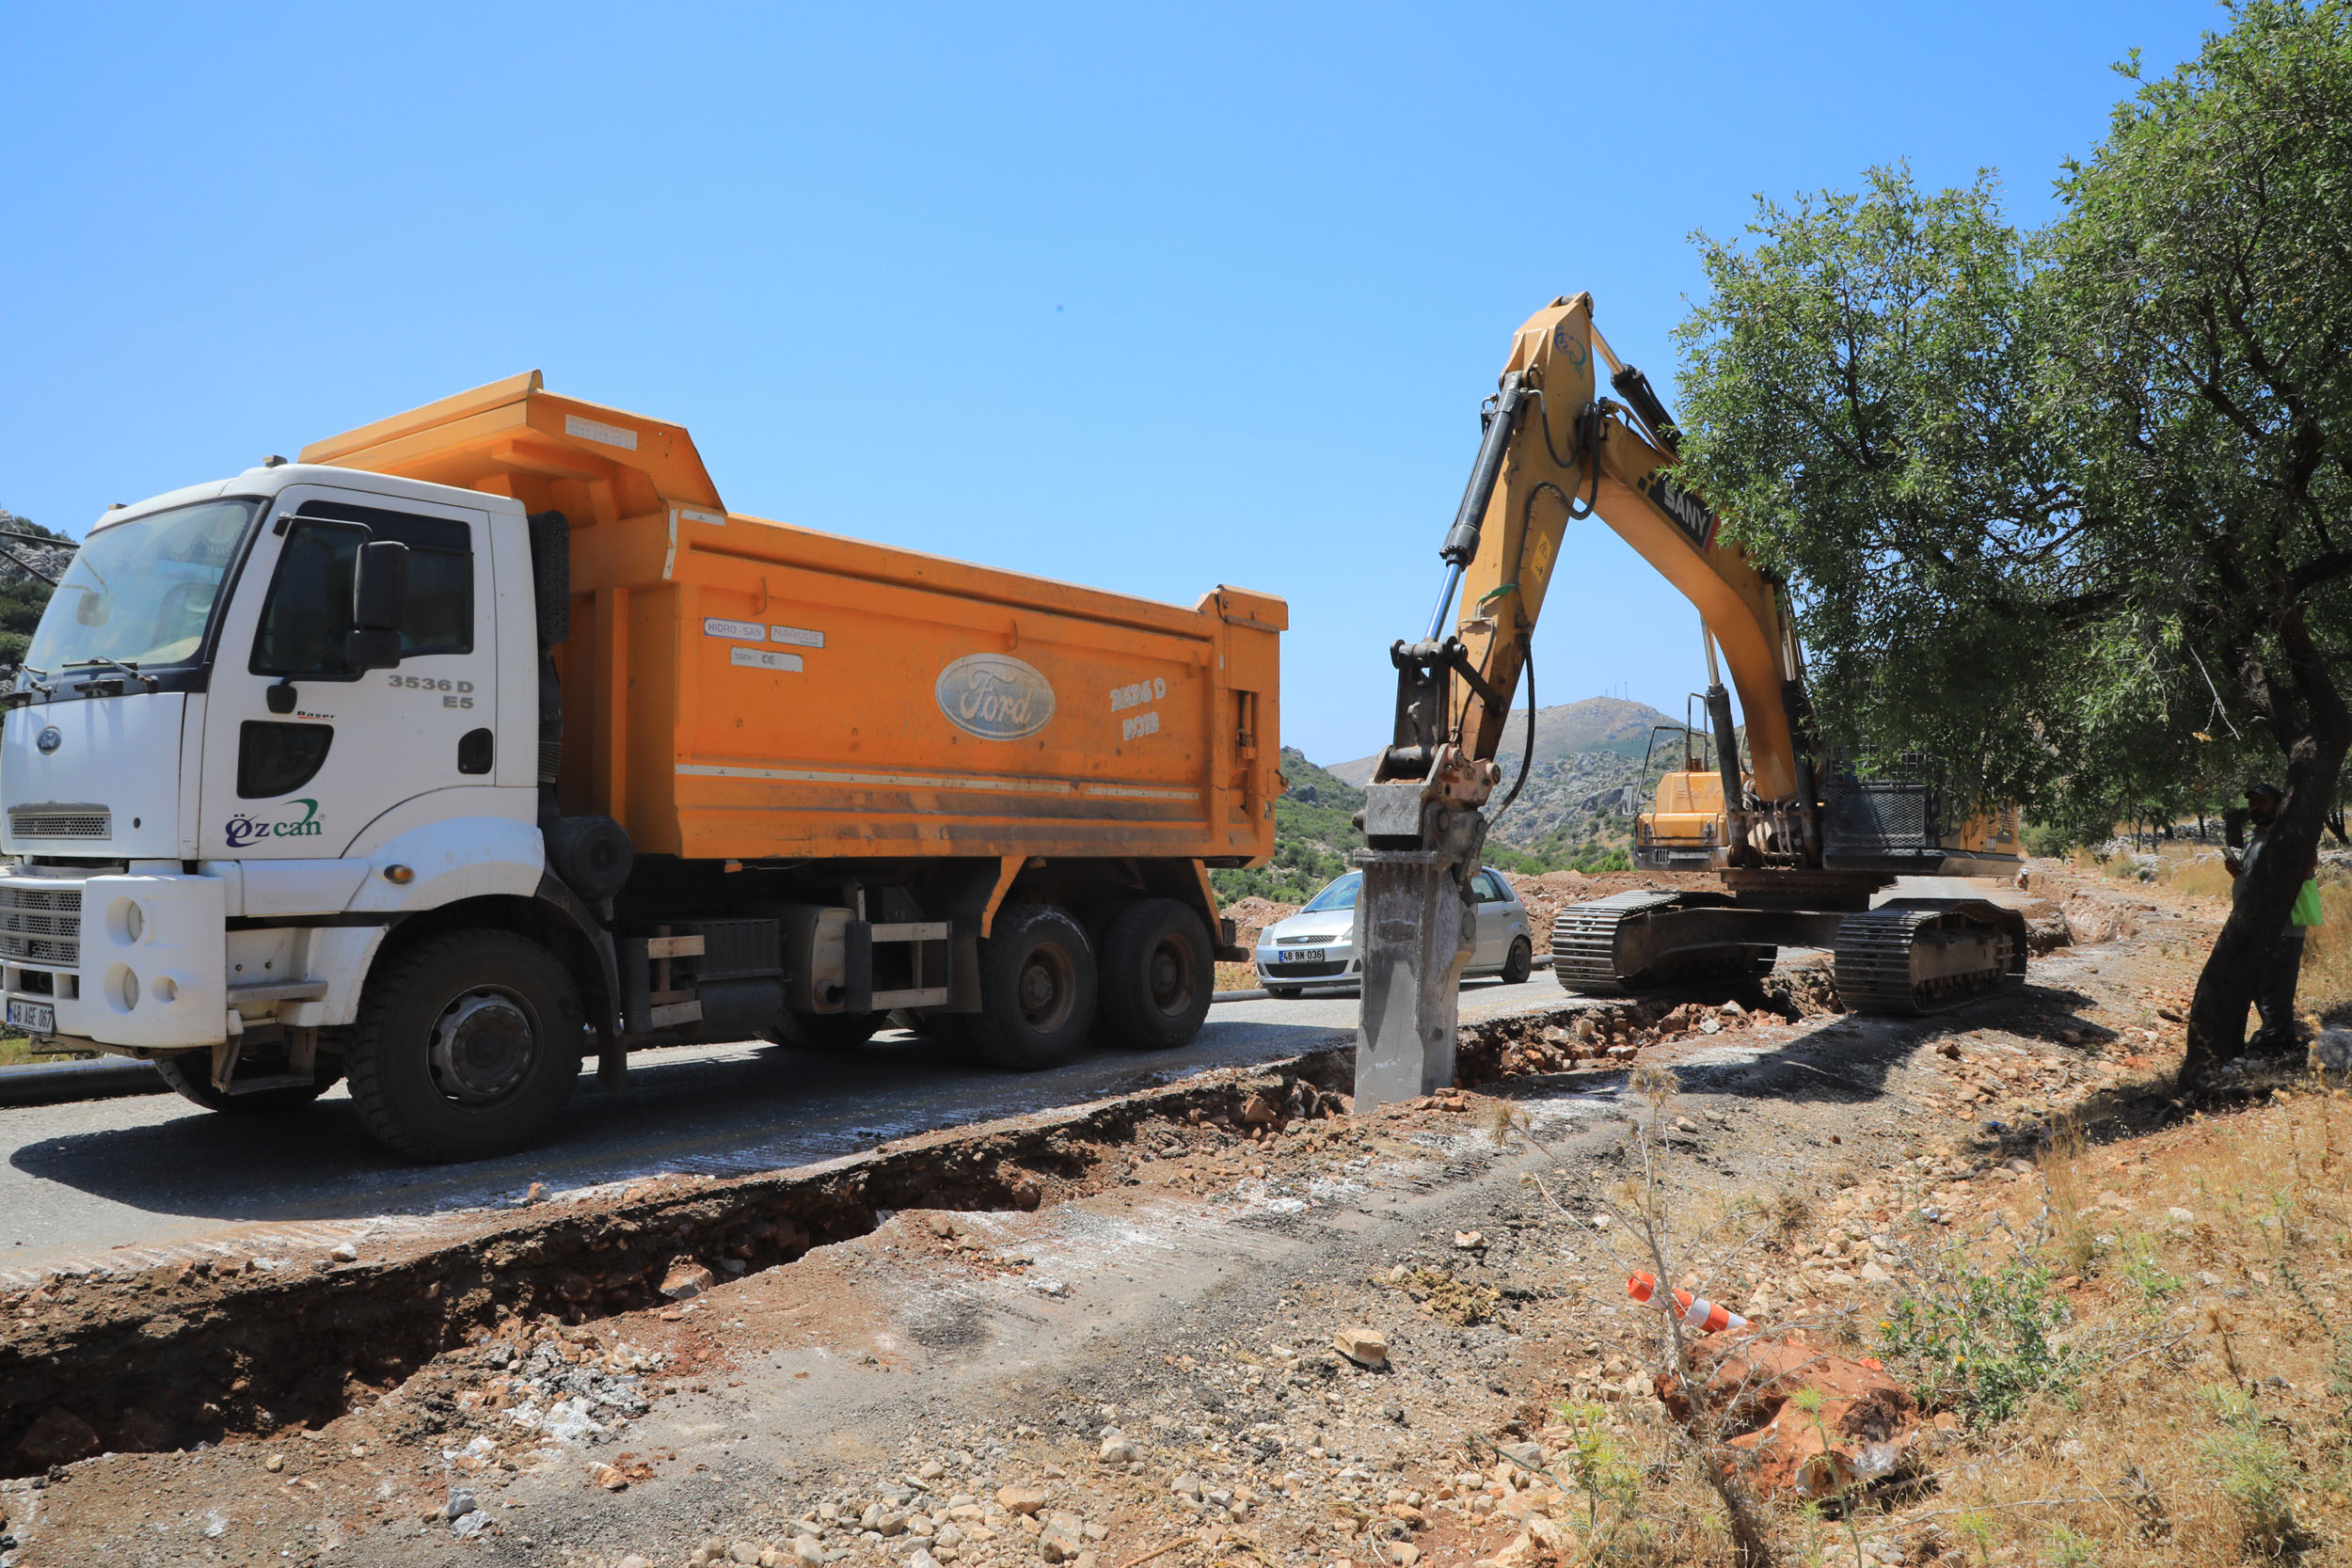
<point>2225,988</point>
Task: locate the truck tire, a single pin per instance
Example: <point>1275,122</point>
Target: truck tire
<point>1158,974</point>
<point>1038,990</point>
<point>1520,964</point>
<point>824,1031</point>
<point>190,1075</point>
<point>466,1046</point>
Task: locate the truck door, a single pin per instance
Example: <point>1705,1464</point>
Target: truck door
<point>302,752</point>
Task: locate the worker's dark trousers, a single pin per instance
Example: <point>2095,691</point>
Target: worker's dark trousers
<point>2274,997</point>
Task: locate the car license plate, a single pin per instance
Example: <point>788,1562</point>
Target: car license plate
<point>1303,956</point>
<point>34,1018</point>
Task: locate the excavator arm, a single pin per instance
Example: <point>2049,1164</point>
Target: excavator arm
<point>1551,454</point>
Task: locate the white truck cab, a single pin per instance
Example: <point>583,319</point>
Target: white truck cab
<point>217,794</point>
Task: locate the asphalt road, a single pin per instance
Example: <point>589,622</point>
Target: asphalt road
<point>139,1182</point>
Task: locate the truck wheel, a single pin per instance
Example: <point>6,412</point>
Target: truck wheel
<point>190,1075</point>
<point>1037,990</point>
<point>1521,962</point>
<point>824,1031</point>
<point>1158,974</point>
<point>466,1046</point>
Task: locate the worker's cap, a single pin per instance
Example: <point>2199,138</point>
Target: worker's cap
<point>2265,792</point>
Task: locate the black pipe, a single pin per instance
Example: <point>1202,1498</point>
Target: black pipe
<point>48,1083</point>
<point>1461,540</point>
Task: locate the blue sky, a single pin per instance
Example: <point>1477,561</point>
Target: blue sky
<point>1152,298</point>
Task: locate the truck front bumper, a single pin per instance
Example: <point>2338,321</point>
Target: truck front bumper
<point>130,964</point>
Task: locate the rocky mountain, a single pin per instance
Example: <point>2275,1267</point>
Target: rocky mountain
<point>1609,724</point>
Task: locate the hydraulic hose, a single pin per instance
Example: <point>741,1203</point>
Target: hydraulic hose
<point>1527,758</point>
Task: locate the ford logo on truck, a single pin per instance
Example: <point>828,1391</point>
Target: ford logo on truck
<point>994,696</point>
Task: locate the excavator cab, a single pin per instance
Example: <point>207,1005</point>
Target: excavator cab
<point>1685,827</point>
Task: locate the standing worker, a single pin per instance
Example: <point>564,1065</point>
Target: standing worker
<point>2274,992</point>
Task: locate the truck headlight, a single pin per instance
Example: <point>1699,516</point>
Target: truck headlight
<point>126,921</point>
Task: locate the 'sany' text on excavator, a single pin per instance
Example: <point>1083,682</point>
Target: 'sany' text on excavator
<point>1800,846</point>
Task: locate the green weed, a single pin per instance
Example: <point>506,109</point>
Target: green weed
<point>2147,1276</point>
<point>2254,1472</point>
<point>2070,1549</point>
<point>1983,1344</point>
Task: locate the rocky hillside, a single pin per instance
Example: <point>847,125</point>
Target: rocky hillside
<point>1606,724</point>
<point>23,595</point>
<point>1314,833</point>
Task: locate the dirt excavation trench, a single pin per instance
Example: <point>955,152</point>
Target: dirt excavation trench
<point>1228,1324</point>
<point>186,1354</point>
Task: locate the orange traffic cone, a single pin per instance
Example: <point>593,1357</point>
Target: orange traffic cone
<point>1698,1313</point>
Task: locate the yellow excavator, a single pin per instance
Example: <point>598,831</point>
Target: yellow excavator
<point>1800,846</point>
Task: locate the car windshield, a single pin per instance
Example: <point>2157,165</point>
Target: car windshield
<point>142,592</point>
<point>1339,895</point>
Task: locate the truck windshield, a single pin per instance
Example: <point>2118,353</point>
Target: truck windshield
<point>142,592</point>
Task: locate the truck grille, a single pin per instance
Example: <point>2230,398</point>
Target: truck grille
<point>40,924</point>
<point>62,822</point>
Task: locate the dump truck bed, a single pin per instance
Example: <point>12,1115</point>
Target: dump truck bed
<point>740,689</point>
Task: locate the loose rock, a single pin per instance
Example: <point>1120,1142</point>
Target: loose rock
<point>687,1279</point>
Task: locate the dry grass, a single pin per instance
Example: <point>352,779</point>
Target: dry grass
<point>2201,874</point>
<point>2223,1434</point>
<point>2066,1202</point>
<point>2203,1410</point>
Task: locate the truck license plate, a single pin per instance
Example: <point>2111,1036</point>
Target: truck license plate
<point>34,1018</point>
<point>1303,956</point>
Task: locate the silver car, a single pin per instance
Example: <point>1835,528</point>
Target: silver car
<point>1317,946</point>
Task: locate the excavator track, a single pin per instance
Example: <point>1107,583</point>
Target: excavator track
<point>1585,941</point>
<point>1908,959</point>
<point>1639,942</point>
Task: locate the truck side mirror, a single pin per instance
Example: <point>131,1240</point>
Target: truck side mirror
<point>380,602</point>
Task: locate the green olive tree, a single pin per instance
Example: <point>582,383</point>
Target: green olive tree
<point>2069,507</point>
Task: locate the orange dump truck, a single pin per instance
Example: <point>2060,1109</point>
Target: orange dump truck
<point>496,739</point>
